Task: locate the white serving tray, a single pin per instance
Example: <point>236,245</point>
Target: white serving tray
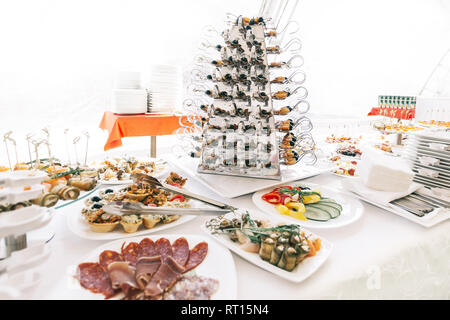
<point>24,220</point>
<point>425,221</point>
<point>21,178</point>
<point>18,194</point>
<point>301,272</point>
<point>232,187</point>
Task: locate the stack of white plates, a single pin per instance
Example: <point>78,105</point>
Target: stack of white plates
<point>128,96</point>
<point>165,85</point>
<point>429,155</point>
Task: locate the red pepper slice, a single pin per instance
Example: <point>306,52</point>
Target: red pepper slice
<point>178,197</point>
<point>272,197</point>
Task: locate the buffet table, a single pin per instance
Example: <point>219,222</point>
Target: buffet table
<point>379,256</point>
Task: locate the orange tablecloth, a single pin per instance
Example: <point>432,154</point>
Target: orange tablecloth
<point>404,114</point>
<point>120,126</point>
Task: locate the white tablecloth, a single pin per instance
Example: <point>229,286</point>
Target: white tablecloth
<point>379,256</point>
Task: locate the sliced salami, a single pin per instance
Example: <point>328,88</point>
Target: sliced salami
<point>196,256</point>
<point>164,248</point>
<point>107,257</point>
<point>180,248</point>
<point>131,252</point>
<point>93,277</point>
<point>148,248</point>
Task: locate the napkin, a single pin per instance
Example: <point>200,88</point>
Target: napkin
<point>381,197</point>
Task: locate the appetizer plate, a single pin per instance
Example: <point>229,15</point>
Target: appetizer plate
<point>78,225</point>
<point>163,171</point>
<point>301,272</point>
<point>218,264</point>
<point>344,175</point>
<point>115,182</point>
<point>232,187</point>
<point>352,209</point>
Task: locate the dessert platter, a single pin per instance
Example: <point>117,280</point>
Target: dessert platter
<point>173,267</point>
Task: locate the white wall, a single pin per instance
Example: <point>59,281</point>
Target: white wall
<point>357,50</point>
<point>58,58</point>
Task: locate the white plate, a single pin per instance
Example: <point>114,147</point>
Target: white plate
<point>78,225</point>
<point>352,209</point>
<point>344,176</point>
<point>31,218</point>
<point>302,271</point>
<point>232,187</point>
<point>159,174</point>
<point>218,264</point>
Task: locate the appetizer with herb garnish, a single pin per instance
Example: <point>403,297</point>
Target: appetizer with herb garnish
<point>142,192</point>
<point>120,169</point>
<point>302,203</point>
<point>344,167</point>
<point>284,246</point>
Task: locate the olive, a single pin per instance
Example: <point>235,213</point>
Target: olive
<point>109,191</point>
<point>96,199</point>
<point>97,206</point>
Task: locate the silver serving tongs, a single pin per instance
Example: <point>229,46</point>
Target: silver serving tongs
<point>151,180</point>
<point>123,208</point>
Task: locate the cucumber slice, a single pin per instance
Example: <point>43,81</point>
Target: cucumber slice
<point>331,204</point>
<point>316,214</point>
<point>333,211</point>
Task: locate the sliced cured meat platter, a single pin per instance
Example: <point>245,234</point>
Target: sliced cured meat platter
<point>153,260</point>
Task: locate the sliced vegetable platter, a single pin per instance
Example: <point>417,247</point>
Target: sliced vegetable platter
<point>302,271</point>
<point>308,205</point>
